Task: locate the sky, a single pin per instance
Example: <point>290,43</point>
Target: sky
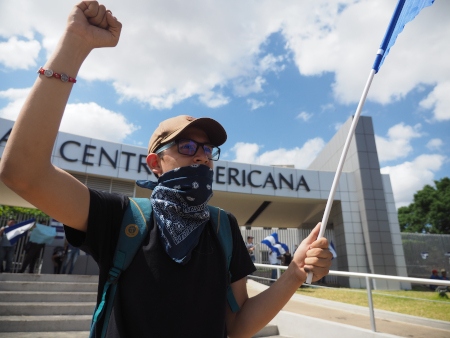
<point>280,76</point>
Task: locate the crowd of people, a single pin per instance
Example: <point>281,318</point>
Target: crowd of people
<point>63,258</point>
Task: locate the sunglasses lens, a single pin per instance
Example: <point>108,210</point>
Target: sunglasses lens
<point>187,147</point>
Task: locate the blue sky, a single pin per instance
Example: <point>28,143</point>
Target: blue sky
<point>280,76</point>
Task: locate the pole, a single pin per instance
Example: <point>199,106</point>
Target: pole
<point>341,161</point>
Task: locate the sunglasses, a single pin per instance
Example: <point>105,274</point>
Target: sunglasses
<point>190,147</point>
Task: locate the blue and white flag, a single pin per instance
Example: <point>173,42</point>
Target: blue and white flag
<point>59,228</point>
<point>17,231</point>
<point>274,245</point>
<point>332,249</point>
<point>405,12</point>
<point>43,234</point>
<point>279,249</point>
<point>270,240</point>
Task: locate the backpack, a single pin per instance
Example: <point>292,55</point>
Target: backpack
<point>132,233</point>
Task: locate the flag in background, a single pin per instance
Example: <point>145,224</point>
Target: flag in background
<point>59,229</point>
<point>272,242</point>
<point>43,234</point>
<point>17,231</point>
<point>332,249</point>
<point>279,249</point>
<point>405,11</point>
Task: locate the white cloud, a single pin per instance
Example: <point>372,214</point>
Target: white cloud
<point>213,100</point>
<point>397,144</point>
<point>304,116</point>
<point>272,63</point>
<point>299,157</point>
<point>439,101</point>
<point>170,53</point>
<point>16,99</point>
<point>244,87</point>
<point>246,152</point>
<point>345,42</point>
<point>91,120</point>
<point>435,144</point>
<point>19,54</point>
<point>86,119</point>
<point>409,177</point>
<point>255,104</point>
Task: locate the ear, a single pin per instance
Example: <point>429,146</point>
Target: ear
<point>154,163</point>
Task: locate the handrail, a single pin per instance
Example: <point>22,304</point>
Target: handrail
<point>368,277</point>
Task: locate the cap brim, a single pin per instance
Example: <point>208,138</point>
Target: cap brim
<point>213,129</point>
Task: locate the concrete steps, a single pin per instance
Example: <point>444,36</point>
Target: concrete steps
<point>57,306</point>
<point>46,305</point>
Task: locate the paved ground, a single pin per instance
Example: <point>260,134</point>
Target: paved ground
<point>385,322</point>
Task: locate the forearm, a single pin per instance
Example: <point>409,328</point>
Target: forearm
<point>35,130</point>
<point>259,310</point>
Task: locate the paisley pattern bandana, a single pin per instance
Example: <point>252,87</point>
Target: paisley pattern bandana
<point>180,208</point>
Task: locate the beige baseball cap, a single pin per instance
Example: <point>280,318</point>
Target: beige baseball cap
<point>169,129</point>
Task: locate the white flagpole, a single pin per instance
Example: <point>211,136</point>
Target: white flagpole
<point>341,162</point>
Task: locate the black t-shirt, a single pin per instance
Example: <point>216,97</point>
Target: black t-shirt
<point>157,297</point>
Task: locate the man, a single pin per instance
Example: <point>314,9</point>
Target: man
<point>71,254</point>
<point>32,254</point>
<point>176,283</point>
<point>274,259</point>
<point>6,248</point>
<point>434,275</point>
<point>251,248</point>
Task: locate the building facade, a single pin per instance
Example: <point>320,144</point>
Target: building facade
<point>363,220</point>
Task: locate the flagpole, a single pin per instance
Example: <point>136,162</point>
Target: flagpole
<point>404,12</point>
<point>327,211</point>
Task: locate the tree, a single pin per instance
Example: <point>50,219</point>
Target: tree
<point>8,211</point>
<point>430,211</point>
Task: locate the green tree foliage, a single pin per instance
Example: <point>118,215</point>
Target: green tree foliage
<point>7,211</point>
<point>430,211</point>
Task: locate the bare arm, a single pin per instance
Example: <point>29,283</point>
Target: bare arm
<point>312,255</point>
<point>26,166</point>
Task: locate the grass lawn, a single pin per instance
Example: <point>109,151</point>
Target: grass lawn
<point>417,302</point>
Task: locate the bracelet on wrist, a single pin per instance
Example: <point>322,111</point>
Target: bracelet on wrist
<point>50,73</point>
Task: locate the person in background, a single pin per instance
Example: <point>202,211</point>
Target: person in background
<point>434,275</point>
<point>251,248</point>
<point>57,259</point>
<point>444,277</point>
<point>32,254</point>
<point>444,274</point>
<point>71,256</point>
<point>6,249</point>
<point>274,259</point>
<point>287,258</point>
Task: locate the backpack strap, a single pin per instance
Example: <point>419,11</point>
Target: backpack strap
<point>132,232</point>
<point>222,228</point>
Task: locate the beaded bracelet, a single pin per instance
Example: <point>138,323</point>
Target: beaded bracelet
<point>50,73</point>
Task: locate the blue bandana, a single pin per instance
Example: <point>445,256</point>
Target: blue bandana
<point>180,208</point>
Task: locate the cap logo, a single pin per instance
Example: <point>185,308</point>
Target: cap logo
<point>131,230</point>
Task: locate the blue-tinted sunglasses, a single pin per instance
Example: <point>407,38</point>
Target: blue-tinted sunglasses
<point>190,147</point>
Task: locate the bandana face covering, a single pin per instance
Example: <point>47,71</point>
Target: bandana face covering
<point>180,208</point>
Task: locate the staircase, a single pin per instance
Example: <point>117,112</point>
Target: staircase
<point>57,306</point>
<point>33,305</point>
